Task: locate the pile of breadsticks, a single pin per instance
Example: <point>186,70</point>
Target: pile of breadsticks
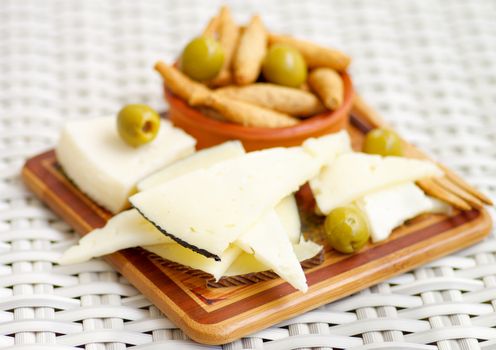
<point>239,94</point>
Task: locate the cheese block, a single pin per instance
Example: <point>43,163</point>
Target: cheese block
<point>125,230</point>
<point>288,213</point>
<point>354,175</point>
<point>327,148</point>
<point>106,168</point>
<point>199,160</point>
<point>389,208</point>
<point>208,209</point>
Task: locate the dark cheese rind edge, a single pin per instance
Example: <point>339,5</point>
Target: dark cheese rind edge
<point>185,244</point>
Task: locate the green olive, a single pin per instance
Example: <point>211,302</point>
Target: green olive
<point>346,229</point>
<point>284,65</point>
<point>137,124</point>
<point>202,59</point>
<point>383,142</point>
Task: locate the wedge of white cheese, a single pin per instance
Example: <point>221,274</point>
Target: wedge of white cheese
<point>199,160</point>
<point>247,263</point>
<point>125,230</point>
<point>389,208</point>
<point>288,213</point>
<point>267,247</point>
<point>177,253</point>
<point>107,169</point>
<point>208,209</point>
<point>129,229</point>
<point>354,175</point>
<point>268,242</point>
<point>327,148</point>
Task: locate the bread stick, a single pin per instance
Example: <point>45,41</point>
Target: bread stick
<point>212,28</point>
<point>282,99</point>
<point>228,38</point>
<point>247,61</point>
<point>328,85</point>
<point>314,55</point>
<point>177,82</point>
<point>242,112</point>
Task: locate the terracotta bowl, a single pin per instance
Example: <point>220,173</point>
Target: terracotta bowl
<point>210,132</point>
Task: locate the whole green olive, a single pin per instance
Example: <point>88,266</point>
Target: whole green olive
<point>384,142</point>
<point>202,59</point>
<point>346,229</point>
<point>284,65</point>
<point>137,124</point>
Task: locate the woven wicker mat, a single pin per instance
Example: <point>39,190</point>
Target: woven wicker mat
<point>428,66</point>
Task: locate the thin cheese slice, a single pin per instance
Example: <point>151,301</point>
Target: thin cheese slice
<point>354,175</point>
<point>233,260</point>
<point>184,256</point>
<point>107,169</point>
<point>248,263</point>
<point>327,148</point>
<point>268,242</point>
<point>391,207</point>
<point>288,213</point>
<point>199,160</point>
<point>125,230</point>
<point>129,229</point>
<point>208,209</point>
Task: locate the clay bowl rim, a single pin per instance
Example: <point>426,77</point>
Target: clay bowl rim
<point>307,126</point>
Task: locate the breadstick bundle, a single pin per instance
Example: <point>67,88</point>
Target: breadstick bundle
<point>241,90</point>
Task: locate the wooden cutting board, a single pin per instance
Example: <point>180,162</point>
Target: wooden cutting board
<point>220,315</point>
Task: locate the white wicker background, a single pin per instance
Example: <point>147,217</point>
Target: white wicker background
<point>429,66</point>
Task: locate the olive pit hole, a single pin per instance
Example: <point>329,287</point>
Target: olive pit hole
<point>148,127</point>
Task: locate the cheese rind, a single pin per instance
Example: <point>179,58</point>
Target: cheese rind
<point>199,160</point>
<point>391,207</point>
<point>125,230</point>
<point>210,208</point>
<point>107,169</point>
<point>354,175</point>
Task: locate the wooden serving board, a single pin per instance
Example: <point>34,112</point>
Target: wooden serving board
<point>220,315</point>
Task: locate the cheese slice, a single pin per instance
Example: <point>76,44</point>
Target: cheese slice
<point>184,256</point>
<point>107,169</point>
<point>288,213</point>
<point>268,242</point>
<point>208,209</point>
<point>247,263</point>
<point>129,229</point>
<point>391,207</point>
<point>327,148</point>
<point>125,230</point>
<point>199,160</point>
<point>354,175</point>
<point>236,262</point>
